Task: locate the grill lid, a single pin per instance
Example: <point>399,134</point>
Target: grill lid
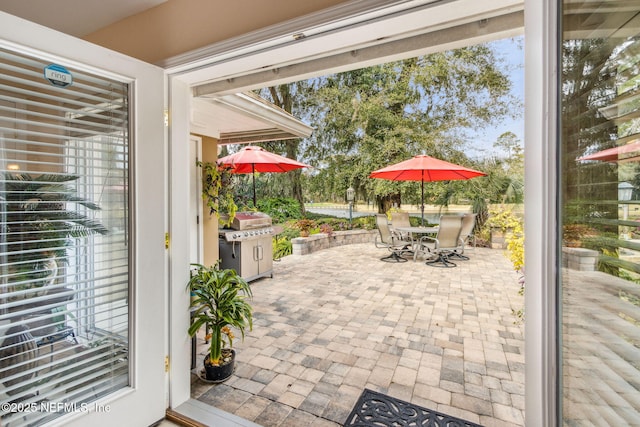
<point>250,220</point>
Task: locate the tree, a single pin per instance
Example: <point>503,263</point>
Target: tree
<point>286,97</point>
<point>368,118</point>
<point>373,117</point>
<point>512,186</point>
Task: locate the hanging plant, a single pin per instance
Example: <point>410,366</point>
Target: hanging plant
<point>217,192</point>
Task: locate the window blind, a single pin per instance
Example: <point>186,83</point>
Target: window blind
<point>608,151</point>
<point>64,238</point>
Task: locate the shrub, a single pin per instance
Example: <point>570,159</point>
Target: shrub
<point>503,219</point>
<point>326,228</point>
<point>365,222</point>
<point>289,230</point>
<point>280,209</point>
<point>281,247</point>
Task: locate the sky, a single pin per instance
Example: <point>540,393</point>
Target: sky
<point>512,51</point>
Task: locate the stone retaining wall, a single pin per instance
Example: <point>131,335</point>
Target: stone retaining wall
<point>316,242</point>
<point>579,259</point>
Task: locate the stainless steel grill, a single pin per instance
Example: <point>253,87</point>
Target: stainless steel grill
<point>250,220</point>
<point>231,235</point>
<point>247,247</point>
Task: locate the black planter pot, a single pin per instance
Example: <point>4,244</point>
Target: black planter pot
<point>18,353</point>
<point>219,373</point>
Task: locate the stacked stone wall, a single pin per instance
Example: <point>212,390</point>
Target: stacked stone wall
<point>317,242</point>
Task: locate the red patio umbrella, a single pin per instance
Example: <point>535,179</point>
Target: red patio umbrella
<point>424,169</point>
<point>622,153</point>
<point>252,159</point>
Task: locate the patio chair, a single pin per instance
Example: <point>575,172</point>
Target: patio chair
<point>391,241</point>
<point>444,243</point>
<point>466,235</point>
<point>398,220</point>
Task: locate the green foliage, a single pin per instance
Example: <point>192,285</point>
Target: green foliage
<point>217,192</point>
<point>334,224</point>
<point>220,300</point>
<point>281,247</point>
<point>289,230</point>
<point>40,227</point>
<point>515,246</point>
<point>365,222</point>
<point>305,225</point>
<point>503,218</point>
<point>607,263</point>
<point>340,224</point>
<point>280,209</point>
<point>370,118</point>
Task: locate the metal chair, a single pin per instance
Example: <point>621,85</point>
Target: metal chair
<point>445,242</point>
<point>466,235</point>
<point>398,220</point>
<point>389,240</point>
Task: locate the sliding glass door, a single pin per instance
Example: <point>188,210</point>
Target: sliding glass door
<point>600,213</point>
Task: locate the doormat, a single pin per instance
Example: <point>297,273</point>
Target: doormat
<point>375,409</point>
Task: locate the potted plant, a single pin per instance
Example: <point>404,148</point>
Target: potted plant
<point>305,226</point>
<point>217,192</point>
<point>219,300</point>
<point>501,224</point>
<point>40,228</point>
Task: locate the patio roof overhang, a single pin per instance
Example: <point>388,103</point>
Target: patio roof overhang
<point>244,118</point>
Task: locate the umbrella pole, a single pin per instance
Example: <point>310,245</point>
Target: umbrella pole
<point>253,175</point>
<point>422,198</point>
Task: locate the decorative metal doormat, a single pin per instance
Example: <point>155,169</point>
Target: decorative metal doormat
<point>375,409</point>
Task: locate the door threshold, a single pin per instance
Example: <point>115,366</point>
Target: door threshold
<point>194,413</point>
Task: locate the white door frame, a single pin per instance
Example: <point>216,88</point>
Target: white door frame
<point>539,133</point>
<point>541,247</point>
<point>195,200</point>
<point>179,340</point>
<point>148,267</point>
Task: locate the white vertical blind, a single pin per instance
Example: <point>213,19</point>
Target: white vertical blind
<point>64,240</point>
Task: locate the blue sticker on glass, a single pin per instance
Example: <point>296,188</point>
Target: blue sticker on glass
<point>57,75</point>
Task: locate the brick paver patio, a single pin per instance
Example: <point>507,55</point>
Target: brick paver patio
<point>334,322</point>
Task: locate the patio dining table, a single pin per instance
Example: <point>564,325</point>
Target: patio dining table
<point>415,233</point>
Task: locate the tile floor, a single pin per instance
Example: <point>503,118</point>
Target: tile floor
<point>334,322</point>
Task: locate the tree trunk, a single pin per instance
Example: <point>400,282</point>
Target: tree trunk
<point>387,202</point>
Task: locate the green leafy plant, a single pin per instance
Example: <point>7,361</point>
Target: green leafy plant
<point>365,222</point>
<point>504,219</point>
<point>281,247</point>
<point>220,301</point>
<point>280,209</point>
<point>515,250</point>
<point>40,228</point>
<point>217,192</point>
